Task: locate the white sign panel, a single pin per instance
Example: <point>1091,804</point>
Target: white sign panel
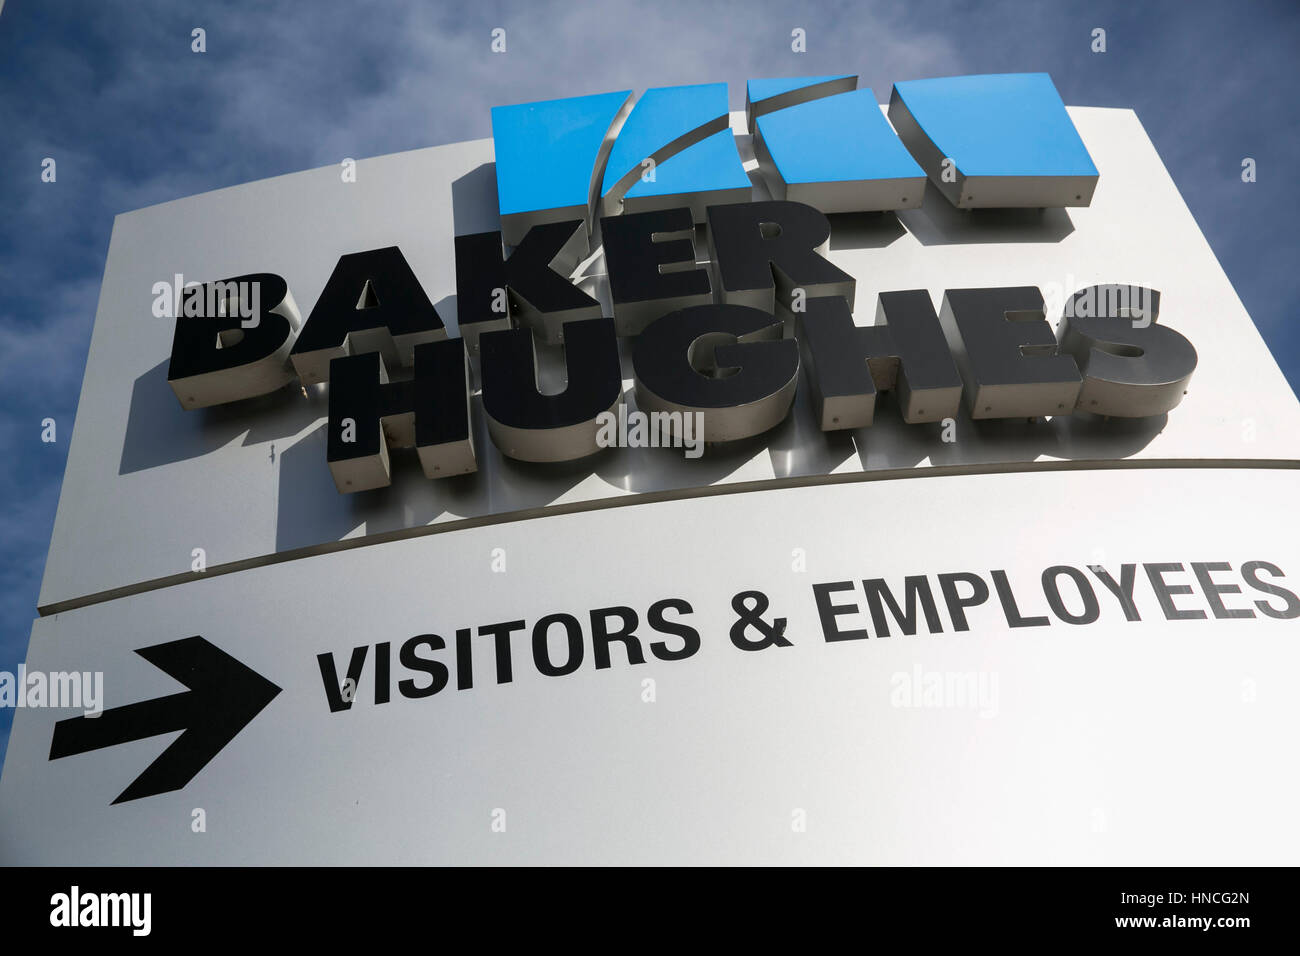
<point>1079,667</point>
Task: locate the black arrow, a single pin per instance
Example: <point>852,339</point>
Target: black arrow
<point>223,697</point>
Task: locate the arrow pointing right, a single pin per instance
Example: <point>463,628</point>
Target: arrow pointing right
<point>223,696</point>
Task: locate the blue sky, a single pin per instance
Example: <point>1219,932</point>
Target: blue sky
<point>132,117</point>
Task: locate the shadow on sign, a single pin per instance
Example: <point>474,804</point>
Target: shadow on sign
<point>939,223</point>
<point>160,432</point>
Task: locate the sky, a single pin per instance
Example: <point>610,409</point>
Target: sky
<point>132,116</point>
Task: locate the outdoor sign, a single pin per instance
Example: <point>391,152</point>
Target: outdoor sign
<point>513,500</point>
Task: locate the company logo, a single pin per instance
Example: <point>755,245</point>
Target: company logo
<point>984,141</point>
<point>719,335</point>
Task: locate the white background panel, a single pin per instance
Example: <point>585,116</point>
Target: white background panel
<point>1152,742</point>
